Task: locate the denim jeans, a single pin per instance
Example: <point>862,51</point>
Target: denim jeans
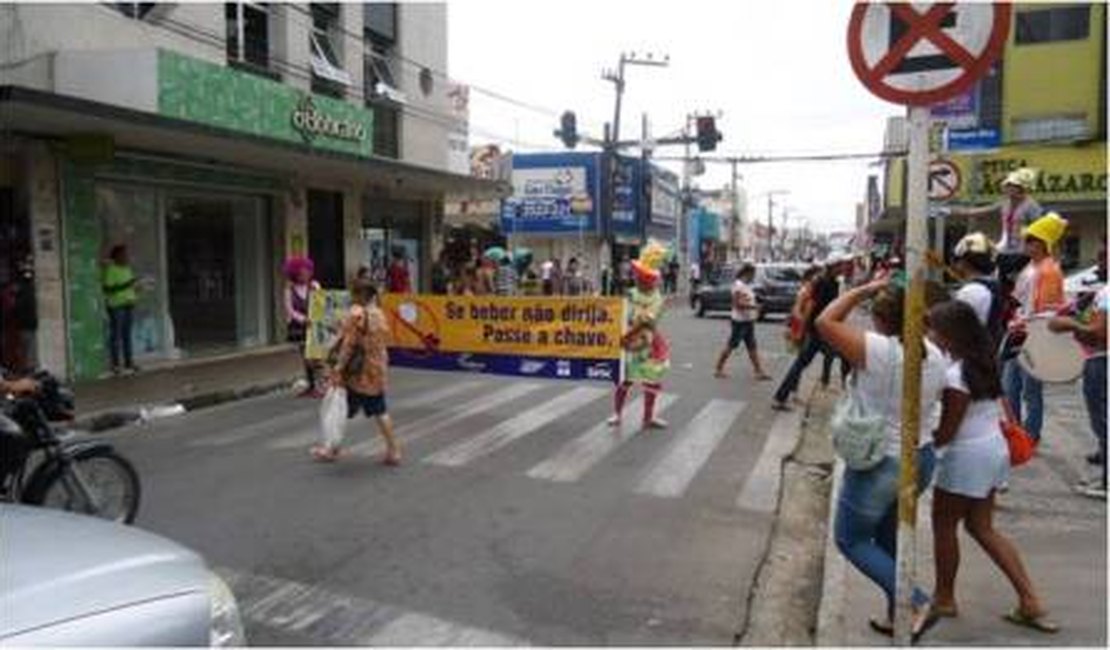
<point>810,348</point>
<point>119,332</point>
<point>1094,394</point>
<point>866,526</point>
<point>1021,387</point>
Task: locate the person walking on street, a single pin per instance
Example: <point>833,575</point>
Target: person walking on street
<point>801,311</point>
<point>1089,328</point>
<point>364,334</point>
<point>865,528</point>
<point>824,292</point>
<point>974,463</point>
<point>695,282</point>
<point>745,310</point>
<point>1017,210</point>
<point>974,266</point>
<point>120,296</point>
<point>647,355</point>
<point>1039,291</point>
<point>298,273</point>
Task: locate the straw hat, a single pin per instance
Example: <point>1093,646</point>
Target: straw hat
<point>1024,178</point>
<point>975,243</point>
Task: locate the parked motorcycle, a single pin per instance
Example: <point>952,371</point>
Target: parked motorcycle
<point>43,463</point>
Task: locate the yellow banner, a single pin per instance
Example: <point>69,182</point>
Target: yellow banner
<point>326,310</point>
<point>570,328</point>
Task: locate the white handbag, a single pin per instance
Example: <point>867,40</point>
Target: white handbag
<point>859,435</point>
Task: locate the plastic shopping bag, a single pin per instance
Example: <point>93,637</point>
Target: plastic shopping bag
<point>333,416</point>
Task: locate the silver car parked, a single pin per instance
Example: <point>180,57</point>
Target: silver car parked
<point>68,579</point>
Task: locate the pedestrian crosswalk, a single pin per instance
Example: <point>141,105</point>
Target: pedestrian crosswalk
<point>476,420</point>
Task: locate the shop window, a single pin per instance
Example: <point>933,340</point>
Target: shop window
<point>248,37</point>
<point>1049,25</point>
<point>380,21</point>
<point>136,10</point>
<point>328,75</point>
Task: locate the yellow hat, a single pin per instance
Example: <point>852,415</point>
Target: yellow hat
<point>1049,228</point>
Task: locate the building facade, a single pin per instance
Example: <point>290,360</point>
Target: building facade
<point>215,140</point>
<point>1043,105</point>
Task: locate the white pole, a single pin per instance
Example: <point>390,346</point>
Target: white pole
<point>912,335</point>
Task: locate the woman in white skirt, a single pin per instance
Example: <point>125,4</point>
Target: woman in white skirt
<point>973,461</point>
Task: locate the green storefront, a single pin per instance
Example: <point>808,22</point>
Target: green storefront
<point>206,238</point>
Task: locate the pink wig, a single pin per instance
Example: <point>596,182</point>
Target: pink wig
<point>294,265</point>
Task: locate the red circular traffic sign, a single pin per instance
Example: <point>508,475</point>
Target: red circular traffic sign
<point>908,57</point>
<point>944,179</point>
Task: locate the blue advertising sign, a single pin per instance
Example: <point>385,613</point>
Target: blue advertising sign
<point>553,194</point>
<point>666,197</point>
<point>974,139</point>
<point>626,198</point>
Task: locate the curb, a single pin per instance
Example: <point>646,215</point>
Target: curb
<point>830,613</point>
<point>115,418</point>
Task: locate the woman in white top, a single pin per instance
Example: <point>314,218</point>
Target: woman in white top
<point>974,461</point>
<point>867,506</point>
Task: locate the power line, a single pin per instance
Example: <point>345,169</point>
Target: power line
<point>751,160</point>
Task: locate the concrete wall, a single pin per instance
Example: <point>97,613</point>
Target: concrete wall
<point>422,32</point>
<point>37,185</point>
<point>29,30</point>
<point>96,76</point>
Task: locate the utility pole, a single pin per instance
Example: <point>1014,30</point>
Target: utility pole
<point>736,226</point>
<point>612,141</point>
<point>770,223</point>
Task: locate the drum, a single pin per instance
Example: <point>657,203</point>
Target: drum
<point>1048,356</point>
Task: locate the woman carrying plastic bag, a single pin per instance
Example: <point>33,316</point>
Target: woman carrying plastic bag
<point>357,379</point>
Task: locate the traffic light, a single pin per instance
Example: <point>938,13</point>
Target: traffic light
<point>708,136</point>
<point>568,129</point>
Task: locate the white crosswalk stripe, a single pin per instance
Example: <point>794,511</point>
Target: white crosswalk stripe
<point>692,447</point>
<point>330,618</point>
<point>581,454</point>
<point>409,432</point>
<point>515,428</point>
<point>761,488</point>
<point>308,432</point>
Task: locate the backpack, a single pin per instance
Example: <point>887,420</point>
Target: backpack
<point>996,317</point>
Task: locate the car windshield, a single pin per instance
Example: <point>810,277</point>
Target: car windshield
<point>783,274</point>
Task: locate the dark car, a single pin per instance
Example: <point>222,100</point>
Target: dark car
<point>775,286</point>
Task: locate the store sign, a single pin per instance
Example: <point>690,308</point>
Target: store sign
<point>570,338</point>
<point>959,112</point>
<point>973,139</point>
<point>552,194</point>
<point>310,122</point>
<point>625,197</point>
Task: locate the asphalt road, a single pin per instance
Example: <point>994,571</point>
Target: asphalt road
<point>516,518</point>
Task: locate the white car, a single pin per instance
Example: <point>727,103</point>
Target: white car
<point>1082,281</point>
<point>75,580</point>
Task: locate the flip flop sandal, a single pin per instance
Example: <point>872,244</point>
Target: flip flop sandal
<point>1038,623</point>
<point>931,619</point>
<point>322,455</point>
<point>882,627</point>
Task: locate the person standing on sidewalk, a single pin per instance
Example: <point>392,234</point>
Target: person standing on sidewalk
<point>745,309</point>
<point>1090,330</point>
<point>1017,210</point>
<point>647,355</point>
<point>298,272</point>
<point>1039,290</point>
<point>867,507</point>
<point>824,292</point>
<point>974,463</point>
<point>121,297</point>
<point>364,334</point>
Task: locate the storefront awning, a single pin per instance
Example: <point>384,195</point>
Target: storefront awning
<point>38,114</point>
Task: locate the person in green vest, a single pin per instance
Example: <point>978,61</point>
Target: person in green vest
<point>120,297</point>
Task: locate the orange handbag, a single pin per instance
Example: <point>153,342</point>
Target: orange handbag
<point>1022,445</point>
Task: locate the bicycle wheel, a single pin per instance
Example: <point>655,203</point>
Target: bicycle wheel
<point>96,481</point>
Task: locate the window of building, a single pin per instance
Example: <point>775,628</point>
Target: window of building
<point>387,130</point>
<point>136,10</point>
<point>328,75</point>
<point>378,74</point>
<point>990,97</point>
<point>1051,24</point>
<point>380,21</point>
<point>248,35</point>
<point>1056,127</point>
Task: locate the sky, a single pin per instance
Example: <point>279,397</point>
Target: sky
<point>777,71</point>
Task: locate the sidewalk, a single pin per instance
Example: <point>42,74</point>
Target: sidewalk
<point>1060,535</point>
<point>115,401</point>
